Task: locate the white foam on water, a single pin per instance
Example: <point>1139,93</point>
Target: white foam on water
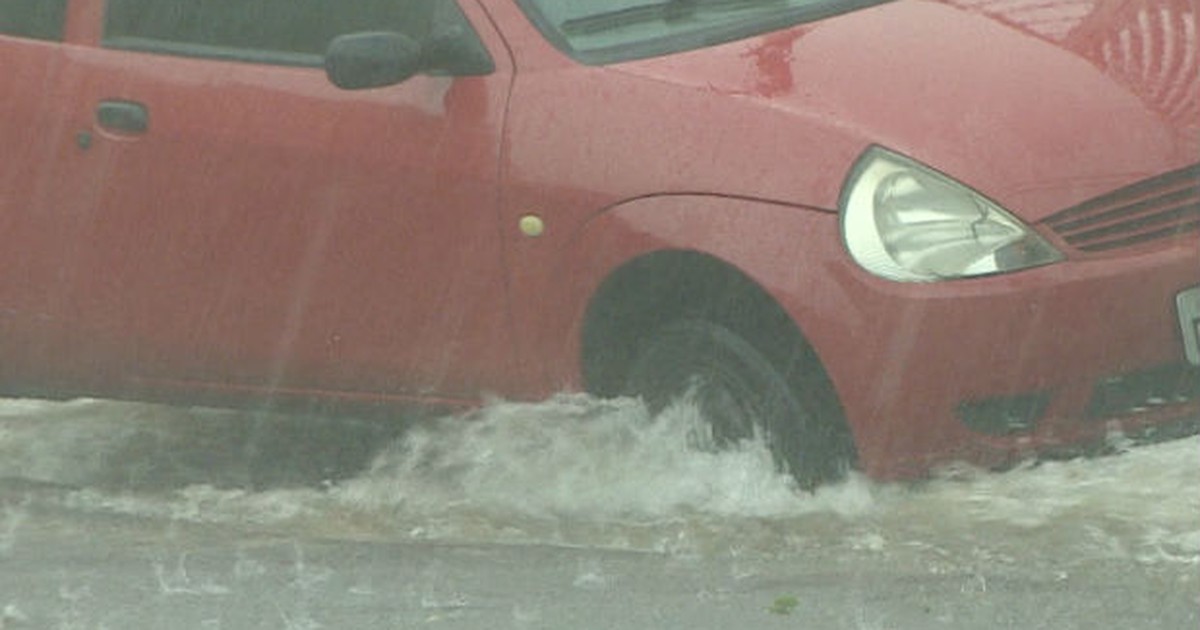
<point>1142,504</point>
<point>581,458</point>
<point>578,471</point>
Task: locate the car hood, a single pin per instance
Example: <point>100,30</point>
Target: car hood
<point>1037,104</point>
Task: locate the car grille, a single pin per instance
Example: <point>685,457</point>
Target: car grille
<point>1162,207</point>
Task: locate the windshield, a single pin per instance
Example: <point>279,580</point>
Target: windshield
<point>606,31</point>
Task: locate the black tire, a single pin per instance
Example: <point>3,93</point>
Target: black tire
<point>741,392</point>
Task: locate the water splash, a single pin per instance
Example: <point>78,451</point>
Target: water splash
<point>578,471</point>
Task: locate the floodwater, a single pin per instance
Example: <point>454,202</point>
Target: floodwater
<point>572,513</point>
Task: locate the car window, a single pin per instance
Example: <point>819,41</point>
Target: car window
<point>37,19</point>
<point>290,32</point>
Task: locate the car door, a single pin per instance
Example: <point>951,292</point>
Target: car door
<point>33,138</point>
<point>259,229</point>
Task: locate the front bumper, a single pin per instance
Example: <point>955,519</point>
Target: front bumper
<point>990,369</point>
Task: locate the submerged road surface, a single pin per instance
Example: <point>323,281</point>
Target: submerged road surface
<point>573,513</point>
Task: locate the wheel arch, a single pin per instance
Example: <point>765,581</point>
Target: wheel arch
<point>682,267</point>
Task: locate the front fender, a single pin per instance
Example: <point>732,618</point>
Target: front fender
<point>793,253</point>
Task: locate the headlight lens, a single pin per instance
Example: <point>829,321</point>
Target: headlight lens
<point>906,222</point>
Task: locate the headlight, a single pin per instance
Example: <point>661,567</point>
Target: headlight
<point>906,222</point>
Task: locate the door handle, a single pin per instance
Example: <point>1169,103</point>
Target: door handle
<point>127,117</point>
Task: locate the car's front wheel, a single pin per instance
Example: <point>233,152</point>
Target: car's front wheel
<point>742,393</point>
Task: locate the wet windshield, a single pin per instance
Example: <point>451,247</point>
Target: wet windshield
<point>602,31</point>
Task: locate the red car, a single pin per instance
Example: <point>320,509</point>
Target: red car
<point>882,234</point>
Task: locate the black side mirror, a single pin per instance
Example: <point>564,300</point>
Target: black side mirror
<point>359,61</point>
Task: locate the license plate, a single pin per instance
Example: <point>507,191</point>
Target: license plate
<point>1187,304</point>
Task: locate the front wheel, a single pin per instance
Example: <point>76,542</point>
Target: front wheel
<point>742,394</point>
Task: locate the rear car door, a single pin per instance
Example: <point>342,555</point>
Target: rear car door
<point>259,229</point>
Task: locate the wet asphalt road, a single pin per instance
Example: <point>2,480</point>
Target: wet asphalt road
<point>64,570</point>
